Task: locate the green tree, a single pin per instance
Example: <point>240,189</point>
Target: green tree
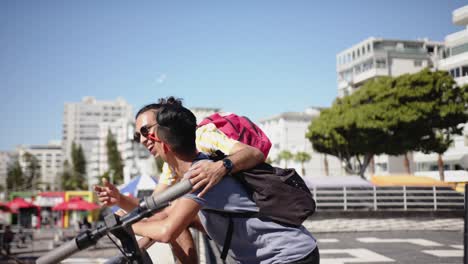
<point>114,159</point>
<point>285,155</point>
<point>302,157</point>
<point>32,171</point>
<point>74,175</point>
<point>68,182</point>
<point>388,116</point>
<point>325,165</point>
<point>15,178</point>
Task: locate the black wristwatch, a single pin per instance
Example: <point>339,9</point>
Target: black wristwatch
<point>227,163</point>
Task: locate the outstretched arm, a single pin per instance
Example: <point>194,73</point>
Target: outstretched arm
<point>109,195</point>
<point>166,230</point>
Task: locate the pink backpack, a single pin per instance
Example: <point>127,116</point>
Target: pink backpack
<point>240,128</point>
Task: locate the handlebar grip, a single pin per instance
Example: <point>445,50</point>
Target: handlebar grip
<point>60,253</point>
<point>177,190</point>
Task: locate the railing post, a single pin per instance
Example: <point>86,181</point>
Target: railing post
<point>375,198</point>
<point>345,198</point>
<point>465,255</point>
<point>435,197</point>
<point>404,198</point>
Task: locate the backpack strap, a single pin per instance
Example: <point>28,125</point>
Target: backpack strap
<point>230,227</point>
<point>227,239</point>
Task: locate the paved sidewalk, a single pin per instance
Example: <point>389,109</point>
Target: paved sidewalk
<point>43,240</point>
<point>385,224</point>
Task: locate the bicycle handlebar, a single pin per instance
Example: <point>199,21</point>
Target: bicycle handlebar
<point>147,207</point>
<point>60,253</point>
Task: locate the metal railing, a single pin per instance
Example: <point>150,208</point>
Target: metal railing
<point>403,198</point>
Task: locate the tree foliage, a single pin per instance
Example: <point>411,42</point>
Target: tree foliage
<point>390,116</point>
<point>31,173</point>
<point>74,176</point>
<point>14,176</point>
<point>285,155</point>
<point>114,159</point>
<point>302,157</point>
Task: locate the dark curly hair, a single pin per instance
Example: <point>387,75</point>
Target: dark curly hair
<point>171,100</point>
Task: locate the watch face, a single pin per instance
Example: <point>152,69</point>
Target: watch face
<point>227,164</point>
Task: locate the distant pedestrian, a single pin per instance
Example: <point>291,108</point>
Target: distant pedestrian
<point>7,239</point>
<point>21,238</point>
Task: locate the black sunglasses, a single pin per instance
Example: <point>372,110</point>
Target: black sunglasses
<point>144,131</point>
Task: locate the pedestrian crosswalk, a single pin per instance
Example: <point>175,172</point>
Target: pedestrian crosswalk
<point>366,255</point>
<point>352,255</point>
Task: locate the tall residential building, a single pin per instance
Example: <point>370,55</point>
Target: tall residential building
<point>135,156</point>
<point>287,131</point>
<point>50,161</point>
<point>6,158</point>
<point>82,121</point>
<point>376,57</point>
<point>454,59</point>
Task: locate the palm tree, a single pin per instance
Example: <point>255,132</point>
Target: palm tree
<point>302,157</point>
<point>285,155</point>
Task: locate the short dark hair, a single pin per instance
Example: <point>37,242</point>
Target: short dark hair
<point>171,100</point>
<point>176,127</point>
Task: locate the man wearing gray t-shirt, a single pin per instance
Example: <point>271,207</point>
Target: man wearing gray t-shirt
<point>254,240</point>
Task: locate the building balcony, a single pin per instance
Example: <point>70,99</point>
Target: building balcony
<point>343,84</point>
<point>460,16</point>
<point>454,61</point>
<point>451,156</point>
<point>457,38</point>
<point>369,74</point>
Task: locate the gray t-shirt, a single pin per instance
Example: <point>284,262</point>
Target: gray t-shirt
<point>254,240</point>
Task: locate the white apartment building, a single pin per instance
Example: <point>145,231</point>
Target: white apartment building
<point>50,161</point>
<point>6,158</point>
<point>287,131</point>
<point>454,59</point>
<point>82,121</point>
<point>376,57</point>
<point>135,157</point>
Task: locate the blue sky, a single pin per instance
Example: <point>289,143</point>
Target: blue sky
<point>256,58</point>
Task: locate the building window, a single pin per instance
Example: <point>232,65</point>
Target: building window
<point>358,53</point>
<point>382,64</point>
<point>400,46</point>
<point>417,63</point>
<point>464,70</point>
<point>460,49</point>
<point>368,47</point>
<point>363,51</point>
<point>357,69</point>
<point>457,72</point>
<point>381,166</point>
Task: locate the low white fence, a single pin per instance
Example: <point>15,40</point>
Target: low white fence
<point>402,198</point>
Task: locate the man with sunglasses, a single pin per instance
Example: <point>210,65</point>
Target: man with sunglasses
<point>254,239</point>
<point>203,174</point>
